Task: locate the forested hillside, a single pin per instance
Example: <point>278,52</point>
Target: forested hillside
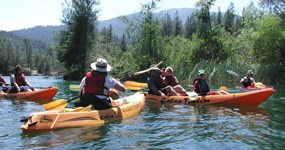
<point>215,42</point>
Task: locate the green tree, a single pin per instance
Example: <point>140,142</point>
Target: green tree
<point>203,17</point>
<point>269,47</point>
<point>277,6</point>
<point>80,18</point>
<point>167,26</point>
<point>123,43</point>
<point>28,49</point>
<point>219,21</point>
<point>190,26</point>
<point>229,18</point>
<point>177,25</point>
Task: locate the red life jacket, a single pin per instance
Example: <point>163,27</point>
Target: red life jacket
<point>94,83</point>
<point>170,80</point>
<point>20,79</point>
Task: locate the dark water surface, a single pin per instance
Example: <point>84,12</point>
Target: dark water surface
<point>156,127</point>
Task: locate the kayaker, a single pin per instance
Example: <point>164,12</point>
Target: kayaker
<point>156,85</point>
<point>171,80</point>
<point>200,85</point>
<point>247,80</point>
<point>94,87</point>
<point>19,82</point>
<point>3,84</point>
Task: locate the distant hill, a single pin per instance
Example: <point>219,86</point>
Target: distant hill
<point>19,40</point>
<point>45,34</point>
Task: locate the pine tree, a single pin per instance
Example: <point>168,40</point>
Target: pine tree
<point>76,41</point>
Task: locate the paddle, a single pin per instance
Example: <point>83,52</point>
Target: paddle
<point>232,73</point>
<point>147,70</point>
<point>136,86</point>
<point>57,104</point>
<point>74,87</point>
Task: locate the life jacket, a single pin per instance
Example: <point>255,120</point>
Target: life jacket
<point>170,80</point>
<point>202,86</point>
<point>158,82</point>
<point>247,83</point>
<point>95,83</point>
<point>20,79</point>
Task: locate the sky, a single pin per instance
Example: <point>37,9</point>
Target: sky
<point>20,14</point>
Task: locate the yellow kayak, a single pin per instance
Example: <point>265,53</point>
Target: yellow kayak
<point>69,118</point>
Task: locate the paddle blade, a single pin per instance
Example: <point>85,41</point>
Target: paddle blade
<point>55,105</point>
<point>74,87</point>
<point>147,70</point>
<point>232,73</point>
<point>223,88</point>
<point>132,85</point>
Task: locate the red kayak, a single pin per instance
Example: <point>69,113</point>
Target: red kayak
<point>47,93</point>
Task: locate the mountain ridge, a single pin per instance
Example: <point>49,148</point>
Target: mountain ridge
<point>46,33</point>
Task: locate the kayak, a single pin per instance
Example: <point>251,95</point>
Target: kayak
<point>83,116</point>
<point>255,97</point>
<point>47,93</point>
<point>192,98</point>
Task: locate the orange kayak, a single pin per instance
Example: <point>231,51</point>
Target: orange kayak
<point>69,118</point>
<point>47,93</point>
<point>246,98</point>
<point>192,98</point>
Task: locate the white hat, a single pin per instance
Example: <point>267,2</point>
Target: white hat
<point>101,65</point>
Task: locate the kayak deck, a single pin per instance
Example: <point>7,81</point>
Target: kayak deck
<point>246,98</point>
<point>68,118</point>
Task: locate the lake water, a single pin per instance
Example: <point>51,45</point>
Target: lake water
<point>156,127</point>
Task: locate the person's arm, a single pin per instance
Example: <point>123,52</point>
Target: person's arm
<point>195,85</point>
<point>13,82</point>
<point>113,83</point>
<point>82,85</point>
<point>25,80</point>
<point>120,87</point>
<point>2,80</point>
<point>176,81</point>
<point>242,80</point>
<point>152,86</point>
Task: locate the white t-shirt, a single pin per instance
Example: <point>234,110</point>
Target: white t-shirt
<point>109,83</point>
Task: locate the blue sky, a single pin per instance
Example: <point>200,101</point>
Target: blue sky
<point>19,14</point>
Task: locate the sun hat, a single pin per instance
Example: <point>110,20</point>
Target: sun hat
<point>169,69</point>
<point>101,65</point>
<point>249,72</point>
<point>201,71</point>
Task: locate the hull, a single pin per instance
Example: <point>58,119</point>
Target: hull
<point>255,97</point>
<point>69,118</point>
<point>246,98</point>
<point>47,93</point>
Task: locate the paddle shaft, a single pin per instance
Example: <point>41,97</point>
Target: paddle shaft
<point>73,98</point>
